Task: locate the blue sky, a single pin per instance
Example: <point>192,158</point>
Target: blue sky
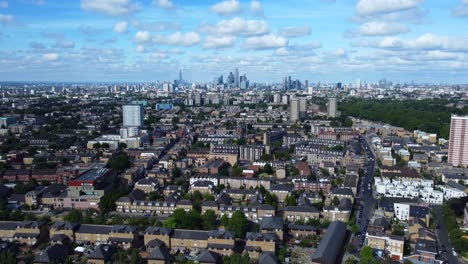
<point>317,40</point>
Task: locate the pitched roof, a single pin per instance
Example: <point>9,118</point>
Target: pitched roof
<point>268,258</point>
<point>160,253</point>
<point>155,230</point>
<point>273,222</point>
<point>94,229</point>
<point>55,253</point>
<point>209,256</point>
<point>102,251</point>
<point>190,234</point>
<point>331,244</point>
<point>302,208</point>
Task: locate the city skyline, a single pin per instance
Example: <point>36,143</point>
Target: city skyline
<point>147,41</point>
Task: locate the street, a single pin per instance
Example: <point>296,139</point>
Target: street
<point>442,235</point>
<point>366,200</point>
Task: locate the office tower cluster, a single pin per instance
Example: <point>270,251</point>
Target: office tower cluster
<point>289,84</point>
<point>233,80</point>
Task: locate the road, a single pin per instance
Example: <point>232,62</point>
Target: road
<point>442,235</point>
<point>365,197</point>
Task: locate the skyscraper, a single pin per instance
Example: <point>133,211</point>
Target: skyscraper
<point>302,105</point>
<point>331,107</point>
<point>294,109</point>
<point>458,144</point>
<point>236,82</point>
<point>358,84</point>
<point>133,115</point>
<point>181,80</point>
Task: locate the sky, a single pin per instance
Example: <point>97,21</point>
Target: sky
<point>425,41</point>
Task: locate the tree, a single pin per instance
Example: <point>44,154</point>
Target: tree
<point>154,196</point>
<point>122,146</point>
<point>97,145</point>
<point>268,169</point>
<point>74,216</point>
<point>290,200</point>
<point>105,145</point>
<point>367,252</point>
<point>176,172</point>
<point>135,257</point>
<point>398,230</point>
<point>350,260</point>
<point>209,220</point>
<point>335,201</point>
<point>271,199</point>
<point>224,169</point>
<point>238,224</point>
<point>120,162</point>
<point>236,170</point>
<point>237,258</point>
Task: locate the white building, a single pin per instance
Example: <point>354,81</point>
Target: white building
<point>133,115</point>
<point>331,107</point>
<point>294,110</point>
<point>453,190</point>
<point>422,189</point>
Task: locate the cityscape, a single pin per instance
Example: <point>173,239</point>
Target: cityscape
<point>233,131</point>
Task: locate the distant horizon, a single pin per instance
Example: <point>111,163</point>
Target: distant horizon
<point>149,40</point>
<point>207,82</point>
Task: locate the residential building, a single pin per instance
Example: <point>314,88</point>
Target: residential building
<point>25,232</point>
<point>458,141</point>
<point>390,245</point>
<point>294,110</point>
<point>274,224</point>
<point>300,212</point>
<point>331,108</point>
<point>340,212</point>
<point>133,115</point>
<point>257,243</point>
<point>331,244</point>
<point>251,152</point>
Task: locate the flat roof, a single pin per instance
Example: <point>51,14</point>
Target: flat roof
<point>91,175</point>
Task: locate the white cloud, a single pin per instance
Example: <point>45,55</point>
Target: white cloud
<point>293,32</point>
<point>227,7</point>
<point>462,9</point>
<point>265,42</point>
<point>157,25</point>
<point>50,56</point>
<point>380,29</point>
<point>64,44</point>
<point>282,52</point>
<point>178,39</point>
<point>256,7</point>
<point>166,4</point>
<point>159,55</point>
<point>217,42</point>
<point>121,27</point>
<point>3,4</point>
<point>6,19</point>
<point>140,48</point>
<point>442,55</point>
<point>371,7</point>
<point>426,41</point>
<point>110,7</point>
<point>340,52</point>
<point>237,26</point>
<point>142,36</point>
